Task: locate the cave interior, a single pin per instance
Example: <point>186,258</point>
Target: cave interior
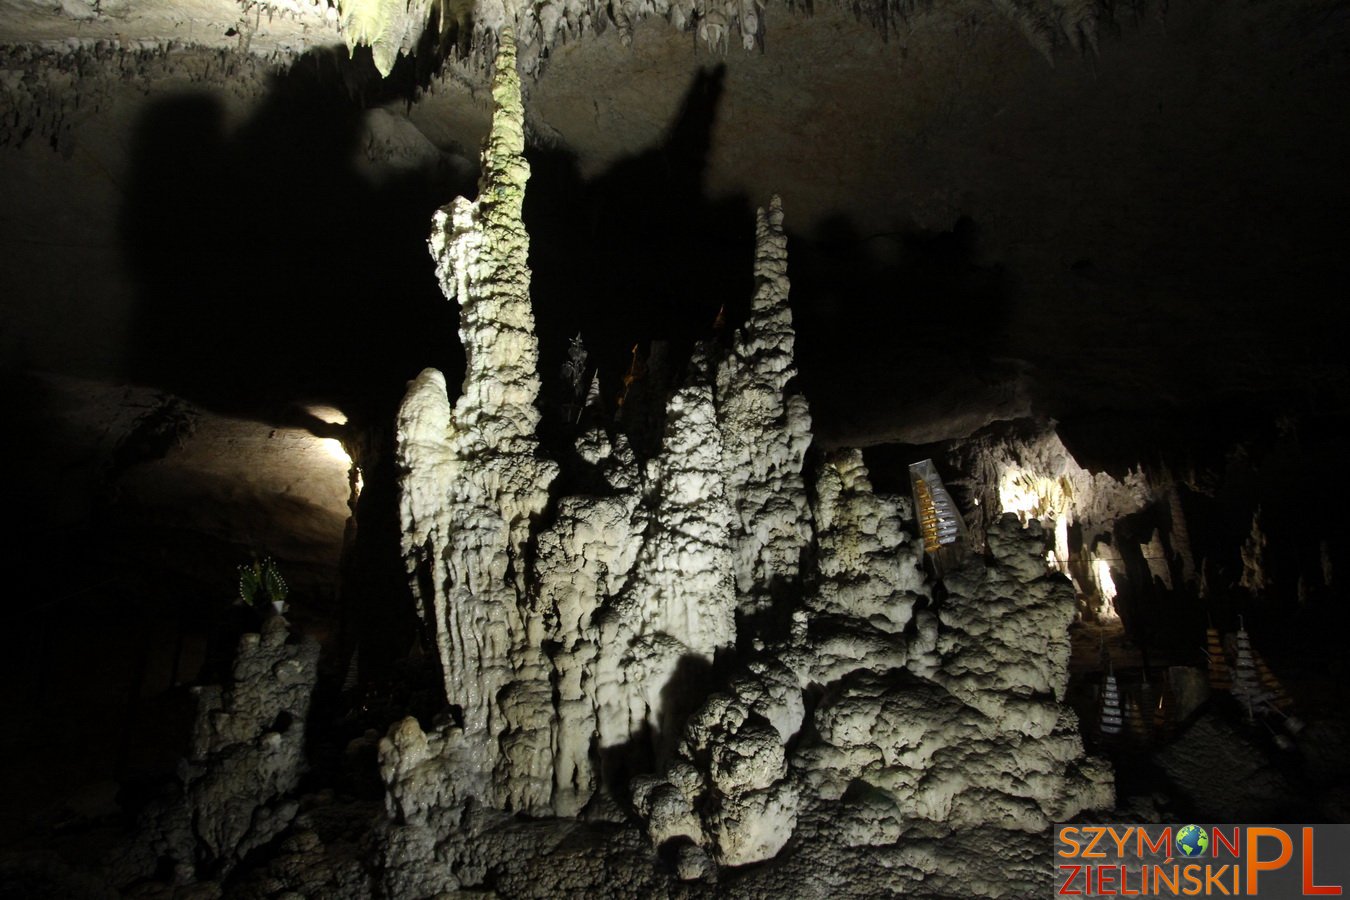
<point>1086,257</point>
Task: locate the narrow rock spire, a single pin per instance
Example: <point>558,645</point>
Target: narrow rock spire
<point>472,479</point>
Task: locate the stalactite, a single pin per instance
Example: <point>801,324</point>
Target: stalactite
<point>46,93</point>
<point>1034,23</point>
<point>279,30</point>
<point>1180,537</point>
<point>1078,21</point>
<point>1255,577</point>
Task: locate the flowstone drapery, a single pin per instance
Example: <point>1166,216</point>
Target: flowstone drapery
<point>704,635</point>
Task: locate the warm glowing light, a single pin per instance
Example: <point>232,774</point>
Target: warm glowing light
<point>330,414</point>
<point>1058,556</point>
<point>1106,584</point>
<point>1034,496</point>
<point>333,447</point>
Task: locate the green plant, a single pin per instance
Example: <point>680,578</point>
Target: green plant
<point>261,584</point>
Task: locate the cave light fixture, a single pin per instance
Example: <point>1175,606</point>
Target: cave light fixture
<point>333,447</point>
<point>940,524</point>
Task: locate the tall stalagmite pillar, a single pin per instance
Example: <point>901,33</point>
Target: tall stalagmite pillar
<point>472,477</point>
<point>766,428</point>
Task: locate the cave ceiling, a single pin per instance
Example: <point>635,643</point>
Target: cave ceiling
<point>992,214</point>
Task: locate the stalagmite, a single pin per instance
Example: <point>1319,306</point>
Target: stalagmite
<point>1157,559</point>
<point>765,429</point>
<point>868,570</point>
<point>472,479</point>
<point>1180,538</point>
<point>679,601</point>
<point>669,622</point>
<point>245,760</point>
<point>585,557</point>
<point>1255,577</point>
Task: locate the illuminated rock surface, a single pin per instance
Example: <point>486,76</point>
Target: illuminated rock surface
<point>472,481</point>
<point>635,590</point>
<point>696,648</point>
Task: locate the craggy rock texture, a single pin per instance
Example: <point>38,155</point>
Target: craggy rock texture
<point>700,636</point>
<point>591,547</point>
<point>247,753</point>
<point>248,744</point>
<point>392,27</point>
<point>868,570</point>
<point>267,28</point>
<point>1004,638</point>
<point>472,481</point>
<point>766,429</point>
<point>957,722</point>
<point>388,27</point>
<point>975,734</point>
<point>48,93</point>
<point>698,660</point>
<point>1027,469</point>
<point>676,610</point>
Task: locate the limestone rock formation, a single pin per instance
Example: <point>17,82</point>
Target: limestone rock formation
<point>868,570</point>
<point>472,480</point>
<point>957,722</point>
<point>248,743</point>
<point>676,609</point>
<point>388,27</point>
<point>765,430</point>
<point>237,786</point>
<point>392,27</point>
<point>1004,639</point>
<point>1027,469</point>
<point>591,547</point>
<point>977,737</point>
<point>748,801</point>
<point>697,634</point>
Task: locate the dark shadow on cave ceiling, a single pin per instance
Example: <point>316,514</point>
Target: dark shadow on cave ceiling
<point>640,252</point>
<point>903,313</point>
<point>273,273</point>
<point>643,252</point>
<point>270,270</point>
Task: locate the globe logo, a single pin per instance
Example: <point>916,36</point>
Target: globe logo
<point>1192,841</point>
